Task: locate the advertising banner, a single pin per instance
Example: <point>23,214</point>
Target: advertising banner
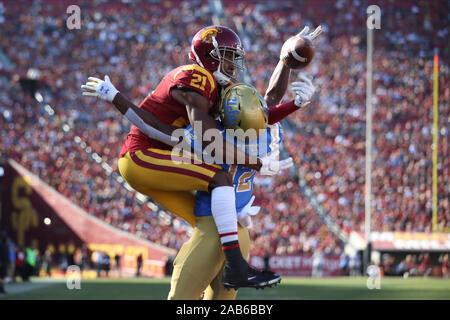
<point>300,265</point>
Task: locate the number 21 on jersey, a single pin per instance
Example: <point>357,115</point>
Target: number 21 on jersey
<point>198,81</point>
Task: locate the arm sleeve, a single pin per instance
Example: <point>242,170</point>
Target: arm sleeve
<point>281,111</point>
<point>149,130</point>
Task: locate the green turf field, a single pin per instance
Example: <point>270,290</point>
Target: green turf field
<point>289,289</point>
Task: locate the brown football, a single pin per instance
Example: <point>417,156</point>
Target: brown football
<point>297,52</point>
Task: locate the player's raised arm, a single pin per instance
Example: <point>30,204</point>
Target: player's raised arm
<point>280,79</point>
<point>278,84</point>
<point>197,108</point>
<point>145,121</point>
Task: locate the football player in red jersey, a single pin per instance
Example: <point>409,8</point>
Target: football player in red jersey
<point>188,94</point>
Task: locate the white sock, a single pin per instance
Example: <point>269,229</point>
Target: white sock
<point>223,207</point>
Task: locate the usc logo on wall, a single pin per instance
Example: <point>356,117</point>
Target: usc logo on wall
<point>23,216</point>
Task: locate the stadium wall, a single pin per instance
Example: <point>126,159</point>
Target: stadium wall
<point>301,265</point>
<point>33,213</point>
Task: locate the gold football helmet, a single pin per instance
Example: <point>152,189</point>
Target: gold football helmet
<point>242,107</point>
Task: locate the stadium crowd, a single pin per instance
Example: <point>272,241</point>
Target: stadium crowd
<point>137,42</point>
<point>329,141</point>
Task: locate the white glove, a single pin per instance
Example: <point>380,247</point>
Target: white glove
<point>245,215</point>
<point>313,35</point>
<point>302,34</point>
<point>304,90</point>
<point>271,164</point>
<point>102,89</point>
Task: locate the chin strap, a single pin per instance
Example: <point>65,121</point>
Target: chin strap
<point>222,79</point>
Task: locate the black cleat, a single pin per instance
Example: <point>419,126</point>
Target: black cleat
<point>254,279</point>
<point>238,274</point>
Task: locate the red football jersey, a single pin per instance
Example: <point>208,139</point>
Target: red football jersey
<point>161,104</point>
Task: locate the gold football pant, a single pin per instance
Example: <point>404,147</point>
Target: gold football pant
<point>199,264</point>
<point>153,173</point>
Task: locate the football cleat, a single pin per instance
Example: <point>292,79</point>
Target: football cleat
<point>255,279</point>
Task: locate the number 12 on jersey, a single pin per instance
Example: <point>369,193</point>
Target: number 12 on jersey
<point>245,178</point>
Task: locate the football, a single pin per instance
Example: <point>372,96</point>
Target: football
<point>297,52</point>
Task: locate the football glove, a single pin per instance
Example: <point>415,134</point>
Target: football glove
<point>102,89</point>
<point>271,164</point>
<point>304,33</point>
<point>245,215</point>
<point>313,35</point>
<point>304,90</point>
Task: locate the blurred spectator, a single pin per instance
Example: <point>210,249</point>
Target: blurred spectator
<point>355,265</point>
<point>106,263</point>
<point>4,260</point>
<point>77,257</point>
<point>11,270</point>
<point>70,255</point>
<point>97,262</point>
<point>317,263</point>
<point>47,263</point>
<point>344,264</point>
<point>31,254</point>
<point>20,264</point>
<point>407,266</point>
<point>169,265</point>
<point>85,261</point>
<point>445,265</point>
<point>412,265</point>
<point>424,268</point>
<point>62,258</point>
<point>388,265</point>
<point>402,268</point>
<point>139,262</point>
<point>117,263</point>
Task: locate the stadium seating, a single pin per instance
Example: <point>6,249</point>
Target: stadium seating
<point>329,143</point>
<point>137,43</point>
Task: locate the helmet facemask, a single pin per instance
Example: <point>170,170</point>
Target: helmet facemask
<point>230,54</point>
